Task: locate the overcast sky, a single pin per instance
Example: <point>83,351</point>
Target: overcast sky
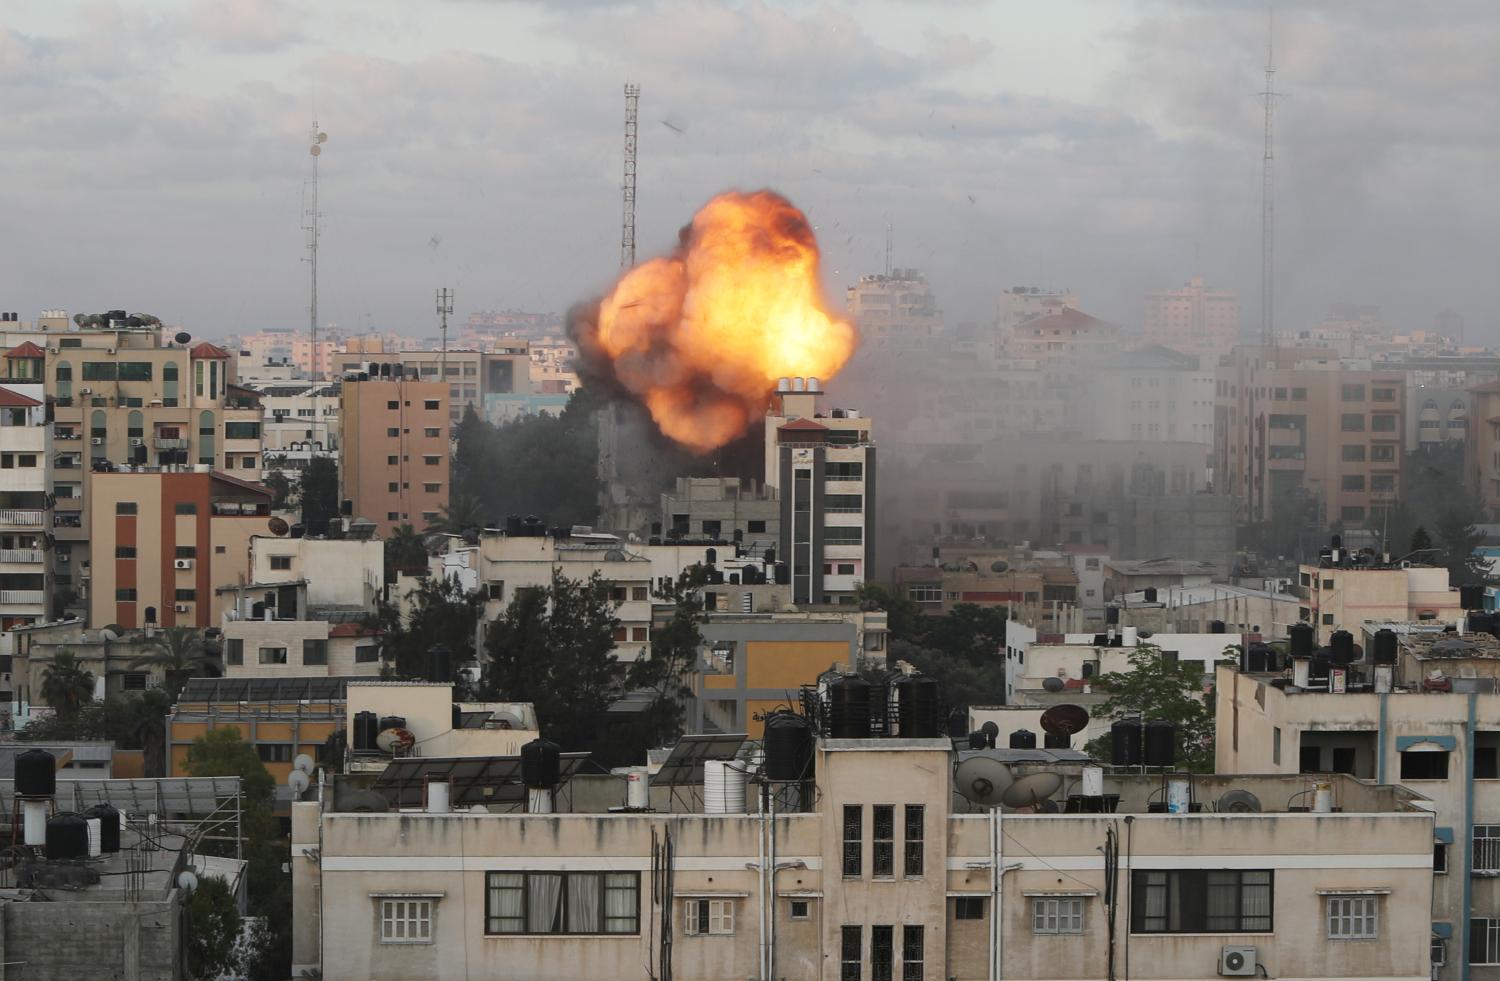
<point>155,153</point>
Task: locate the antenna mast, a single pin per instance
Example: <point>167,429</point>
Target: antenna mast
<point>1268,204</point>
<point>627,231</point>
<point>312,225</point>
<point>889,237</point>
<point>444,307</point>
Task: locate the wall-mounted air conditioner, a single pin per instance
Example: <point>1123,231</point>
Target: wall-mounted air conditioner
<point>182,608</point>
<point>182,563</point>
<point>97,440</point>
<point>1237,961</point>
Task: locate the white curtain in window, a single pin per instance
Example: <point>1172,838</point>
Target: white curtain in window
<point>544,900</point>
<point>620,902</point>
<point>507,901</point>
<point>583,903</point>
<point>1255,901</point>
<point>1223,899</point>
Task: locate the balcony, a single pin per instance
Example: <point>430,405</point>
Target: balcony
<point>22,597</point>
<point>170,443</point>
<point>68,521</point>
<point>26,555</point>
<point>23,518</point>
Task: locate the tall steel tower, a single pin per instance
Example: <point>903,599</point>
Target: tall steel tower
<point>313,225</point>
<point>627,230</point>
<point>1268,205</point>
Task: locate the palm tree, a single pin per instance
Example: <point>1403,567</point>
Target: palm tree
<point>180,655</point>
<point>66,684</point>
<point>462,512</point>
<point>405,551</point>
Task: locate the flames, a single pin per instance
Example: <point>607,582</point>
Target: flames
<point>700,336</point>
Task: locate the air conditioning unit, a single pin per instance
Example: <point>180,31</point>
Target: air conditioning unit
<point>184,608</point>
<point>97,440</point>
<point>1236,961</point>
<point>64,557</point>
<point>182,563</point>
<point>137,441</point>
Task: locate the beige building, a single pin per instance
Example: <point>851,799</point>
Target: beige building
<point>26,512</point>
<point>1194,318</point>
<point>292,346</point>
<point>393,465</point>
<point>470,375</point>
<point>111,659</point>
<point>164,540</point>
<point>895,311</point>
<point>1334,597</point>
<point>1483,447</point>
<point>1061,337</point>
<point>881,872</point>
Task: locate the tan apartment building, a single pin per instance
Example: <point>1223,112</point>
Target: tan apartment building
<point>1300,419</point>
<point>881,872</point>
<point>26,513</point>
<point>163,541</point>
<point>1334,597</point>
<point>470,375</point>
<point>1482,450</point>
<point>393,464</point>
<point>894,311</point>
<point>1194,318</point>
<point>1060,337</point>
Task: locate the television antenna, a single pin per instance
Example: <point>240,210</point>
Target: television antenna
<point>313,225</point>
<point>444,308</point>
<point>627,229</point>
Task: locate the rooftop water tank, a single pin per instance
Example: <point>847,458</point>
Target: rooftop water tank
<point>36,774</point>
<point>1300,640</point>
<point>541,763</point>
<point>789,747</point>
<point>109,826</point>
<point>1159,744</point>
<point>849,708</point>
<point>1125,743</point>
<point>67,836</point>
<point>917,706</point>
<point>1023,739</point>
<point>1384,646</point>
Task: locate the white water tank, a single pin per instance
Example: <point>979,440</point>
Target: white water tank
<point>34,821</point>
<point>96,837</point>
<point>723,787</point>
<point>1179,795</point>
<point>1130,637</point>
<point>437,797</point>
<point>1093,781</point>
<point>1322,798</point>
<point>538,800</point>
<point>638,788</point>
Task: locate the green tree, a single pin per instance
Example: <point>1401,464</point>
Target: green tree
<point>1457,538</point>
<point>404,552</point>
<point>441,613</point>
<point>1157,689</point>
<point>1420,541</point>
<point>276,481</point>
<point>968,630</point>
<point>318,494</point>
<point>66,684</point>
<point>211,924</point>
<point>461,513</point>
<point>554,647</point>
<point>134,720</point>
<point>180,654</point>
<point>902,615</point>
<point>668,672</point>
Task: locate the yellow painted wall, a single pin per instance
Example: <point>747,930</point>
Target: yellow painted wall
<point>790,664</point>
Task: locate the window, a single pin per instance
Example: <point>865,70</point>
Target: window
<point>366,654</point>
<point>432,488</point>
<point>430,404</point>
<point>924,593</point>
<point>393,405</point>
<point>272,655</point>
<point>1328,619</point>
<point>1484,940</point>
<point>234,652</point>
<point>1353,452</point>
<point>1385,482</point>
<point>854,833</point>
<point>124,551</point>
<point>1486,848</point>
<point>1299,395</point>
<point>124,596</point>
<point>801,909</point>
<point>406,921</point>
<point>882,952</point>
<point>1352,422</point>
<point>851,953</point>
<point>1352,482</point>
<point>843,503</point>
<point>968,908</point>
<point>912,952</point>
<point>393,431</point>
<point>1486,764</point>
<point>837,535</point>
<point>1440,858</point>
<point>432,461</point>
<point>392,461</point>
<point>242,430</point>
<point>187,595</point>
<point>281,562</point>
<point>431,432</point>
<point>1057,914</point>
<point>756,527</point>
<point>1352,512</point>
<point>125,508</point>
<point>274,752</point>
<point>98,371</point>
<point>839,470</point>
<point>913,840</point>
<point>708,917</point>
<point>1353,917</point>
<point>315,652</point>
<point>1439,951</point>
<point>185,507</point>
<point>1201,901</point>
<point>562,902</point>
<point>1383,452</point>
<point>1352,393</point>
<point>1421,765</point>
<point>883,833</point>
<point>393,486</point>
<point>135,371</point>
<point>1383,422</point>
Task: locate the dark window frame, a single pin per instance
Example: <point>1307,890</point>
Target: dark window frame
<point>1188,889</point>
<point>491,930</point>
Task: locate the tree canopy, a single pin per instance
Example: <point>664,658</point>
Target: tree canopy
<point>211,924</point>
<point>180,654</point>
<point>1158,689</point>
<point>66,684</point>
<point>441,613</point>
<point>538,464</point>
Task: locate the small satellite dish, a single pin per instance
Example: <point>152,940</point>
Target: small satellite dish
<point>506,720</point>
<point>1032,789</point>
<point>1065,720</point>
<point>298,782</point>
<point>109,633</point>
<point>982,779</point>
<point>278,526</point>
<point>316,150</point>
<point>395,740</point>
<point>187,881</point>
<point>999,565</point>
<point>322,137</point>
<point>990,728</point>
<point>304,763</point>
<point>1053,684</point>
<point>182,337</point>
<point>1239,802</point>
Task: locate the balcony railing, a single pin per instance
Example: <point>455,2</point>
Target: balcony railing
<point>22,597</point>
<point>20,555</point>
<point>26,518</point>
<point>68,521</point>
<point>171,443</point>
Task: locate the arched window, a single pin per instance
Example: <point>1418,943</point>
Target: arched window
<point>98,432</point>
<point>136,425</point>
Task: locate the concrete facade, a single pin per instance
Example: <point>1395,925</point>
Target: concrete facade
<point>1194,318</point>
<point>393,467</point>
<point>26,507</point>
<point>1334,598</point>
<point>470,376</point>
<point>715,508</point>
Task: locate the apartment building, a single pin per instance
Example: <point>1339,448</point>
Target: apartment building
<point>393,464</point>
<point>112,658</point>
<point>26,514</point>
<point>1034,655</point>
<point>1194,318</point>
<point>1151,393</point>
<point>822,469</point>
<point>1293,421</point>
<point>163,540</point>
<point>881,871</point>
<point>300,420</point>
<point>1341,595</point>
<point>1482,451</point>
<point>470,375</point>
<point>721,509</point>
<point>897,310</point>
<point>1060,337</point>
<point>293,346</point>
<point>1433,728</point>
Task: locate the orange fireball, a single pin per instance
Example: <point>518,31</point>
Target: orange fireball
<point>700,336</point>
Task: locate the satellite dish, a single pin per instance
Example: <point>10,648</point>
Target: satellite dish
<point>1239,802</point>
<point>365,802</point>
<point>322,137</point>
<point>316,150</point>
<point>304,763</point>
<point>990,728</point>
<point>298,782</point>
<point>187,881</point>
<point>999,565</point>
<point>982,779</point>
<point>182,337</point>
<point>1065,720</point>
<point>1053,684</point>
<point>506,720</point>
<point>1032,789</point>
<point>395,740</point>
<point>278,526</point>
<point>110,633</point>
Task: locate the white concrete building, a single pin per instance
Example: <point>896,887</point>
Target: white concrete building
<point>26,474</point>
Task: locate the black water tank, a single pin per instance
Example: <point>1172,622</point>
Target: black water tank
<point>1383,648</point>
<point>1111,615</point>
<point>366,728</point>
<point>1471,597</point>
<point>1341,648</point>
<point>1256,659</point>
<point>1125,743</point>
<point>848,705</point>
<point>917,704</point>
<point>710,556</point>
<point>67,836</point>
<point>1150,592</point>
<point>440,658</point>
<point>770,555</point>
<point>1300,639</point>
<point>783,574</point>
<point>1479,622</point>
<point>1023,739</point>
<point>789,747</point>
<point>541,763</point>
<point>36,774</point>
<point>391,722</point>
<point>513,526</point>
<point>109,826</point>
<point>958,723</point>
<point>458,716</point>
<point>978,740</point>
<point>1321,663</point>
<point>1216,627</point>
<point>1057,740</point>
<point>1159,744</point>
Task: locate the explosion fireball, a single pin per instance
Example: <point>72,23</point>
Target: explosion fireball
<point>701,335</point>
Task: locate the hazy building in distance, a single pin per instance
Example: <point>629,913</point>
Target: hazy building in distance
<point>471,375</point>
<point>898,310</point>
<point>1194,318</point>
<point>294,347</point>
<point>1482,452</point>
<point>393,462</point>
<point>1059,337</point>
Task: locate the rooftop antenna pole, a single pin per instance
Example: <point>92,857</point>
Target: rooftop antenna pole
<point>444,307</point>
<point>1268,200</point>
<point>889,241</point>
<point>313,226</point>
<point>627,230</point>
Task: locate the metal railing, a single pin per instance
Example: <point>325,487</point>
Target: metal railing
<point>22,597</point>
<point>170,443</point>
<point>15,516</point>
<point>20,555</point>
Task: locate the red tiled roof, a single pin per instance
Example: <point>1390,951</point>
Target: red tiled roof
<point>26,350</point>
<point>242,484</point>
<point>1067,319</point>
<point>15,400</point>
<point>207,350</point>
<point>350,630</point>
<point>803,424</point>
